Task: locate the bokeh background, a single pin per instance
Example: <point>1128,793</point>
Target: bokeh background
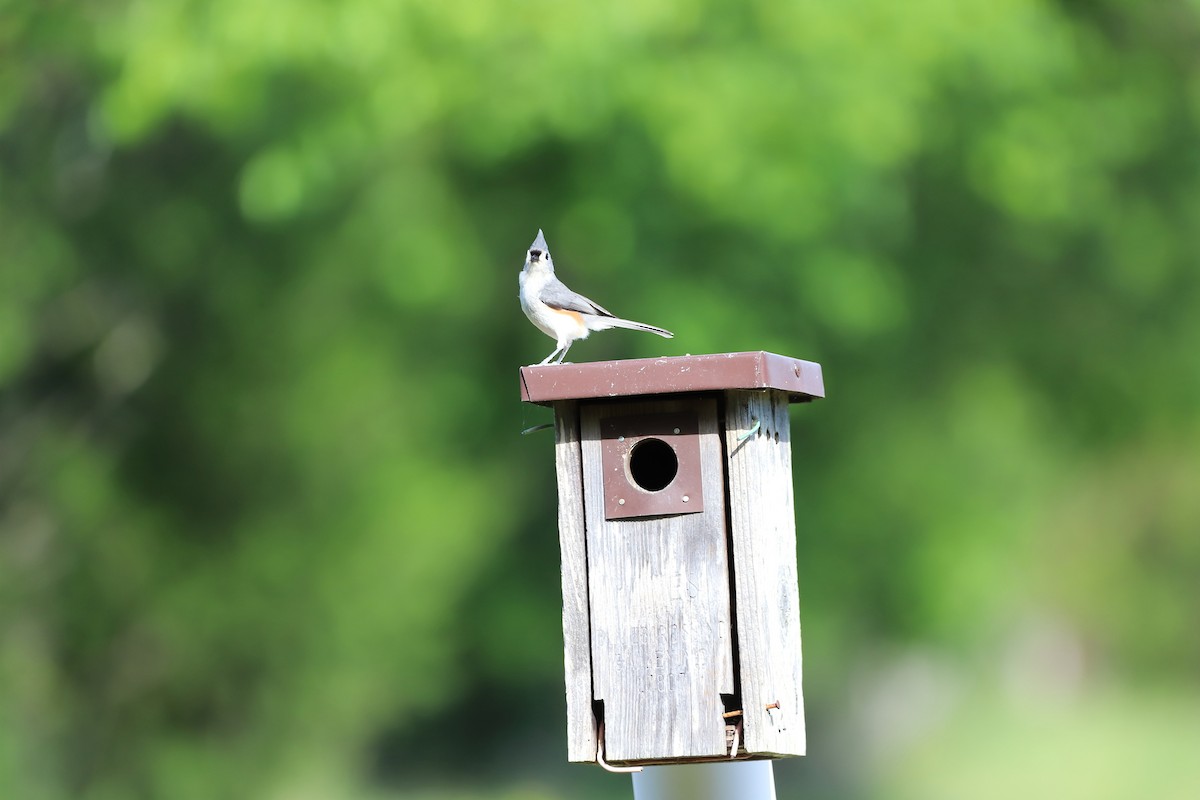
<point>267,525</point>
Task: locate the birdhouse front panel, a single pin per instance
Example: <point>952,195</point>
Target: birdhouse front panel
<point>658,576</point>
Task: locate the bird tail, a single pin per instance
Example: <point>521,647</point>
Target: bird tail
<point>604,323</point>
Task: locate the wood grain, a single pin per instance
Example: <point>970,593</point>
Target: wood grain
<point>767,602</point>
<point>660,604</point>
<point>581,722</point>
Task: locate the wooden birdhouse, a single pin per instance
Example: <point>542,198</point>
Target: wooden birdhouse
<point>681,615</point>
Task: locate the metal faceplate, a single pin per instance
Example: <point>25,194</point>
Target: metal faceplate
<point>625,473</point>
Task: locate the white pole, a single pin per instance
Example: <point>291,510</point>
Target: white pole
<point>738,780</point>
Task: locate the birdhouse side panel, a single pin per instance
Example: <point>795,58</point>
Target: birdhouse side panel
<point>766,589</point>
<point>568,461</point>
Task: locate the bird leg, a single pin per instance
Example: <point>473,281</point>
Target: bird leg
<point>549,358</point>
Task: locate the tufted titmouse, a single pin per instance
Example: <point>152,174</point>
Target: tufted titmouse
<point>560,313</point>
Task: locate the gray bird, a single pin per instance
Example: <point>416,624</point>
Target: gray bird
<point>561,314</point>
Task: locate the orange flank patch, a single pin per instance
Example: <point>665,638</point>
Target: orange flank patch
<point>575,315</point>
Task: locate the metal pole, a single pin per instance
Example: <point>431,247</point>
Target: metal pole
<point>739,780</point>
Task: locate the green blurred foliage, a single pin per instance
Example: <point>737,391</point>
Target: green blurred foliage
<point>266,525</point>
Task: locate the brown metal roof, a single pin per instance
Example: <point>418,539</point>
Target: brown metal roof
<point>673,375</point>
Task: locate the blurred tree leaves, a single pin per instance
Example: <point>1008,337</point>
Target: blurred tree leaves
<point>263,504</point>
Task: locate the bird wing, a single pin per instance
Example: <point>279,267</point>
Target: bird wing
<point>556,295</point>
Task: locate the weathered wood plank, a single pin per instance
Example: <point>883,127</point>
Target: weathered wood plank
<point>568,463</point>
<point>767,602</point>
<point>660,604</point>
